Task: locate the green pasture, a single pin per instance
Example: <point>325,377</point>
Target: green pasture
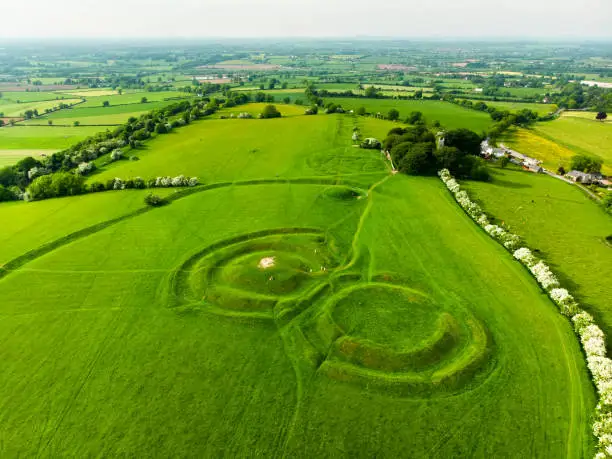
<point>449,115</point>
<point>567,228</point>
<point>43,137</point>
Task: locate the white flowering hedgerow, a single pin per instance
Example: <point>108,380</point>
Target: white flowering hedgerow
<point>544,275</point>
<point>179,180</point>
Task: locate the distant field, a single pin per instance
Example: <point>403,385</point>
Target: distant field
<point>132,98</point>
<point>9,157</point>
<point>241,66</point>
<point>449,115</point>
<point>526,92</point>
<point>540,109</point>
<point>98,115</point>
<point>15,109</point>
<point>13,97</point>
<point>256,108</point>
<point>43,137</point>
<point>560,221</point>
<point>278,94</point>
<point>91,92</point>
<point>581,136</point>
<point>586,115</point>
<point>93,120</point>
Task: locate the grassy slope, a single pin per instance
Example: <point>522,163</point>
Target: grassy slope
<point>559,220</point>
<point>95,362</point>
<point>450,116</point>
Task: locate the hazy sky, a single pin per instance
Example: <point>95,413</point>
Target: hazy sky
<point>314,18</point>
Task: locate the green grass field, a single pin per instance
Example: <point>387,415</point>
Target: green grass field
<point>15,109</point>
<point>560,221</point>
<point>43,137</point>
<point>449,115</point>
<point>303,303</point>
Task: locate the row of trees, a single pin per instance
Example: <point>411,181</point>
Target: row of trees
<point>414,151</point>
<point>76,160</point>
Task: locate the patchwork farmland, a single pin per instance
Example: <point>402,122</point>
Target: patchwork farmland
<point>305,249</point>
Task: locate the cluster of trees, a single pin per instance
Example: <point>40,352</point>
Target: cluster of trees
<point>270,111</point>
<point>56,185</point>
<point>585,163</point>
<point>414,151</point>
<point>576,95</point>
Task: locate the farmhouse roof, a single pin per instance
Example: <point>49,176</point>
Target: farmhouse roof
<point>579,174</point>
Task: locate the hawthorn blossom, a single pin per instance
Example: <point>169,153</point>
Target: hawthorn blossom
<point>544,275</point>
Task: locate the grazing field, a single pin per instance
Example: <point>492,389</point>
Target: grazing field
<point>43,137</point>
<point>301,300</point>
<point>560,221</point>
<point>9,157</point>
<point>449,115</point>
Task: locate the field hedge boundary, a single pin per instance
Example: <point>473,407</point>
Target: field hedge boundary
<point>591,337</point>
